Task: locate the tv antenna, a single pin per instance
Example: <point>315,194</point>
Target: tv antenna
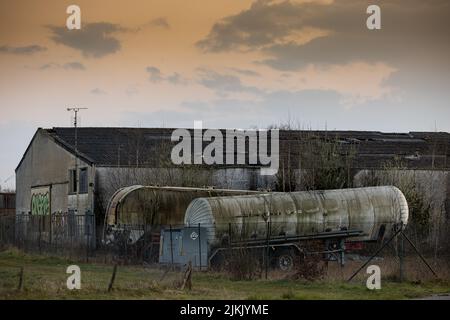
<point>75,110</point>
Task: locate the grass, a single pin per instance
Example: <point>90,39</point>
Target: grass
<point>45,278</point>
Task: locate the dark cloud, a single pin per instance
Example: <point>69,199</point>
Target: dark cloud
<point>253,28</point>
<point>416,29</point>
<point>224,83</point>
<point>160,22</point>
<point>49,66</point>
<point>176,78</point>
<point>246,72</point>
<point>94,40</point>
<point>25,50</point>
<point>66,66</point>
<point>156,76</point>
<point>74,66</point>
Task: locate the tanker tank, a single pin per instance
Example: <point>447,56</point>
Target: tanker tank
<point>137,208</point>
<point>373,210</point>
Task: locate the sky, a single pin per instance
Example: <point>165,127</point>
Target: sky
<point>229,63</point>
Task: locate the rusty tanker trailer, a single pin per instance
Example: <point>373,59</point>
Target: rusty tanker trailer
<point>135,210</point>
<point>283,220</point>
<point>374,210</point>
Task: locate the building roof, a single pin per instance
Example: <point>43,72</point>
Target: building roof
<point>108,147</point>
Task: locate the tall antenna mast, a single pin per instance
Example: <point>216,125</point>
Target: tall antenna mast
<point>75,124</point>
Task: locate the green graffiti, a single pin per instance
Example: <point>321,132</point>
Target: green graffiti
<point>40,204</point>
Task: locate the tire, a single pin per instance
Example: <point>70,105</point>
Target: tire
<point>285,261</point>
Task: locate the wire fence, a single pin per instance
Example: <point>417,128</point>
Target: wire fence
<point>66,234</point>
<point>245,251</point>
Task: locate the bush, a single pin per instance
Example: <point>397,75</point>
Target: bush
<point>243,264</point>
<point>310,267</point>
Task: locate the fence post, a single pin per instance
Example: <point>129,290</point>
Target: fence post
<point>171,246</point>
<point>401,254</point>
<point>144,246</point>
<point>40,231</point>
<point>50,230</point>
<point>113,277</point>
<point>20,286</point>
<point>87,232</point>
<point>199,248</point>
<point>267,248</point>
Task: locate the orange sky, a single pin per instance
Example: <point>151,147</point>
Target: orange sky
<point>230,63</point>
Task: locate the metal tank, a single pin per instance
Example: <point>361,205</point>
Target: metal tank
<point>135,208</point>
<point>373,210</point>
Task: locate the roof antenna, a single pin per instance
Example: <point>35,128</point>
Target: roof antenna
<point>75,124</point>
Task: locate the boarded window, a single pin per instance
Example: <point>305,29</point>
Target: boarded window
<point>83,180</point>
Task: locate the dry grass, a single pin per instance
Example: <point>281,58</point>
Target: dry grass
<point>45,278</point>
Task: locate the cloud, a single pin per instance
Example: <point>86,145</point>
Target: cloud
<point>295,34</point>
<point>272,108</point>
<point>65,66</point>
<point>263,24</point>
<point>224,83</point>
<point>160,22</point>
<point>246,72</point>
<point>74,66</point>
<point>156,76</point>
<point>98,91</point>
<point>176,78</point>
<point>94,40</point>
<point>25,50</point>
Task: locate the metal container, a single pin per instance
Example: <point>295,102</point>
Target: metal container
<point>373,210</point>
<point>153,205</point>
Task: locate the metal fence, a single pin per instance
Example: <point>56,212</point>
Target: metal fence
<point>254,250</point>
<point>59,233</point>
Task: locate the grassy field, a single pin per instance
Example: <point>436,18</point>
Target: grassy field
<point>45,278</point>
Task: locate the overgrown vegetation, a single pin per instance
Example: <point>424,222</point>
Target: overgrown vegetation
<point>395,173</point>
<point>314,162</point>
<point>311,267</point>
<point>243,264</point>
<point>45,278</point>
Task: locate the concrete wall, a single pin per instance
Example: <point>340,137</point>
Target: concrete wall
<point>47,164</point>
<point>109,179</point>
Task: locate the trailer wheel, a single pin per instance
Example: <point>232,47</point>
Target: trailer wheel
<point>285,261</point>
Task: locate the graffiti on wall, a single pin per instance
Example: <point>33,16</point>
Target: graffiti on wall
<point>40,201</point>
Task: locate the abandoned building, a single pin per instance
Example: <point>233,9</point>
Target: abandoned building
<point>7,203</point>
<point>50,179</point>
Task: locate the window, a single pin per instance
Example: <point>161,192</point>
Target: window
<point>12,202</point>
<point>73,181</point>
<point>83,180</point>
